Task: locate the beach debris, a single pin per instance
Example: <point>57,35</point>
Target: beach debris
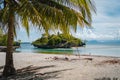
<point>55,58</point>
<point>48,58</point>
<point>62,58</point>
<point>114,61</point>
<point>88,59</point>
<point>66,58</point>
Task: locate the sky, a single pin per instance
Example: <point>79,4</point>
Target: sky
<point>106,24</point>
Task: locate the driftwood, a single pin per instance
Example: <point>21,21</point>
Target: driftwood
<point>57,58</point>
<point>62,58</point>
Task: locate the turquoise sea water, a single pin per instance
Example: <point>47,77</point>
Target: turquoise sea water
<point>105,48</point>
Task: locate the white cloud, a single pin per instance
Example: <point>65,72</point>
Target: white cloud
<point>89,34</point>
<point>106,23</point>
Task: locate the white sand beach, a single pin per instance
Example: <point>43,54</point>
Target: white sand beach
<point>56,67</point>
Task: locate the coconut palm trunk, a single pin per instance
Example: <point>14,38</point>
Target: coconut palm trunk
<point>9,66</point>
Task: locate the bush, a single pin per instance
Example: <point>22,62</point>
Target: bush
<point>54,40</point>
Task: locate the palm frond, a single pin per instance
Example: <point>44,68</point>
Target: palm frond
<point>52,14</point>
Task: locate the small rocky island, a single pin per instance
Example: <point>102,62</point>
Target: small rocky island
<point>57,41</point>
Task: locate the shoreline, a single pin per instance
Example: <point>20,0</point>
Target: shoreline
<point>64,54</point>
<point>58,67</point>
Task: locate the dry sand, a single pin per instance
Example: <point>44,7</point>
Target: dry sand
<point>57,67</point>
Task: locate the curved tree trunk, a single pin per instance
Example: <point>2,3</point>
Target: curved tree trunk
<point>9,65</point>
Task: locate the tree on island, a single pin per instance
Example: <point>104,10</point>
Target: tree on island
<point>46,14</point>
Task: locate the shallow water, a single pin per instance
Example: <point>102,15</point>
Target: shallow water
<point>104,48</point>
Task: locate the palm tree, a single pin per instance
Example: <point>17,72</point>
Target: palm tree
<point>45,14</point>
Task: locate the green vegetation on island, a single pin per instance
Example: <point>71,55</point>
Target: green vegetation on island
<point>57,41</point>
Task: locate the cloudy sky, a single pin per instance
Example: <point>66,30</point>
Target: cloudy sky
<point>106,24</point>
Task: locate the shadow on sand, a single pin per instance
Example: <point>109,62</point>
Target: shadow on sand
<point>33,73</point>
<point>1,67</point>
